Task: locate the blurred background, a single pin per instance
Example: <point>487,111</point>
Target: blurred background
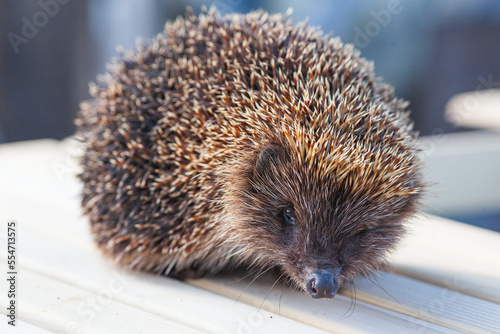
<point>429,50</point>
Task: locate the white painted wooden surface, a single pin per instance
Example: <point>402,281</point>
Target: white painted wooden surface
<point>445,277</point>
<point>463,172</point>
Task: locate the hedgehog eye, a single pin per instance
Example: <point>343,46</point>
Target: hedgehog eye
<point>289,215</point>
<point>360,235</point>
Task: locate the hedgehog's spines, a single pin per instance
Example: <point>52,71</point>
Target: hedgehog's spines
<point>176,129</point>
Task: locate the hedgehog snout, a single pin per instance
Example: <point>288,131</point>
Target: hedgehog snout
<point>322,283</point>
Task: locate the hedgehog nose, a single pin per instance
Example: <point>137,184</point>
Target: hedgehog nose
<point>322,284</point>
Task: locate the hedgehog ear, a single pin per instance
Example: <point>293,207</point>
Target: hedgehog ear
<point>269,155</point>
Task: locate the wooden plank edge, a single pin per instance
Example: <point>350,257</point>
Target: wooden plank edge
<point>162,296</point>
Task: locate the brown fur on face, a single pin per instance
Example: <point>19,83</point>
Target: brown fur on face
<point>337,226</point>
<point>198,142</point>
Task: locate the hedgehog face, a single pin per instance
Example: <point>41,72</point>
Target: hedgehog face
<point>319,231</point>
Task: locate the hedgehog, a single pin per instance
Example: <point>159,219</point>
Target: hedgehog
<point>248,141</point>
